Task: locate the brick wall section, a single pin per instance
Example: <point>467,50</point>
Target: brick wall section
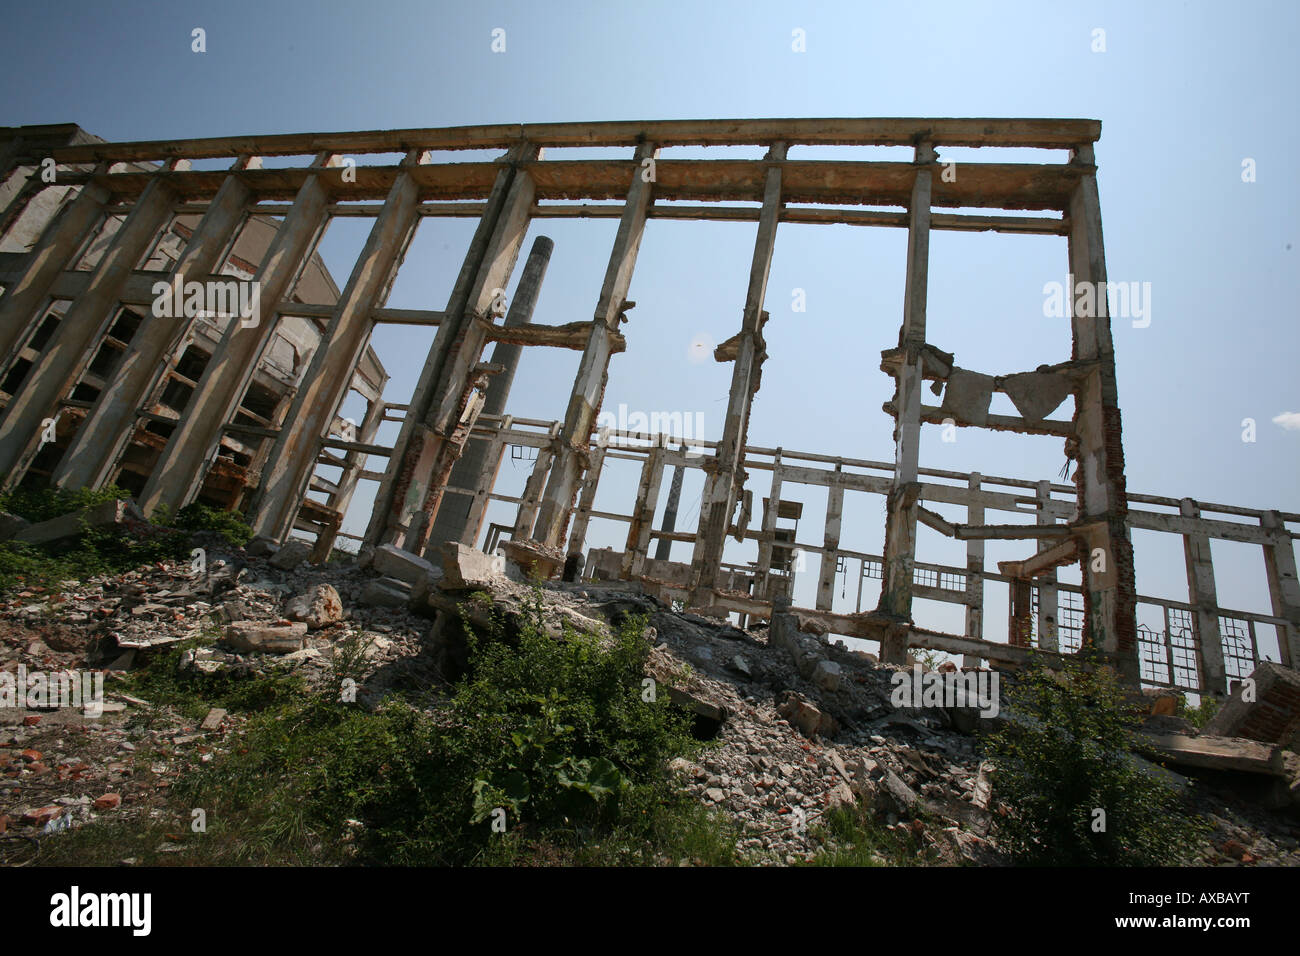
<point>1273,717</point>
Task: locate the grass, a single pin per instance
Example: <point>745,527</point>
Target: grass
<point>544,753</point>
<point>102,550</point>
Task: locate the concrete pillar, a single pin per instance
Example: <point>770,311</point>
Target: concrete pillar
<point>22,306</point>
<point>70,349</point>
<point>1046,582</point>
<point>486,481</point>
<point>1110,595</point>
<point>587,494</point>
<point>763,573</point>
<point>1020,619</point>
<point>724,481</point>
<point>1202,594</point>
<point>830,544</point>
<point>347,483</point>
<point>325,384</point>
<point>974,571</point>
<point>455,351</point>
<point>182,466</point>
<point>106,432</point>
<point>526,517</point>
<point>1283,587</point>
<point>457,511</point>
<point>663,550</point>
<point>593,369</point>
<point>643,514</point>
<point>904,495</point>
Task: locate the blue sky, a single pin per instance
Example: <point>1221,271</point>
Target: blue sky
<point>1185,92</point>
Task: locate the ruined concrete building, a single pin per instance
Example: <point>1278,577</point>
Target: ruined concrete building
<point>233,411</point>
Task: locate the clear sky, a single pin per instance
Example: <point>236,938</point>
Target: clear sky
<point>1186,93</point>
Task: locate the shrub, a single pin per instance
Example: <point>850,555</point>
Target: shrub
<point>1068,756</point>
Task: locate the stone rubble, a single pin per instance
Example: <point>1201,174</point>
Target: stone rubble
<point>795,725</point>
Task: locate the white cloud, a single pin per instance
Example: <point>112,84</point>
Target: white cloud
<point>1288,420</point>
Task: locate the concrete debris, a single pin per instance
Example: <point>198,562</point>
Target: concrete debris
<point>291,554</point>
<point>265,638</point>
<point>968,396</point>
<point>1037,394</point>
<point>1272,716</point>
<point>10,525</point>
<point>317,608</point>
<point>393,562</point>
<point>73,525</point>
<point>465,568</point>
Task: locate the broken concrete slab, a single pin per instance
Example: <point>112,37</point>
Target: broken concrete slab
<point>968,396</point>
<point>386,592</point>
<point>1037,394</point>
<point>1272,716</point>
<point>466,568</point>
<point>393,562</point>
<point>1212,753</point>
<point>827,675</point>
<point>72,525</point>
<point>259,637</point>
<point>810,720</point>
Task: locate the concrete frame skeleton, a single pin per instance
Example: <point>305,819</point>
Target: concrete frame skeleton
<point>505,195</point>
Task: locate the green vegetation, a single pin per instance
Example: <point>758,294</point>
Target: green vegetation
<point>544,753</point>
<point>1201,714</point>
<point>101,550</point>
<point>1066,758</point>
<point>852,836</point>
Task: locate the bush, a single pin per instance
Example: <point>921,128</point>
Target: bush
<point>1072,757</point>
<point>552,731</point>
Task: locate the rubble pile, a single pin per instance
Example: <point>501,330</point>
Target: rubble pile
<point>796,725</point>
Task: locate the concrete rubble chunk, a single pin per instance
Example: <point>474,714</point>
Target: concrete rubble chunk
<point>827,675</point>
<point>257,636</point>
<point>1212,753</point>
<point>317,608</point>
<point>391,561</point>
<point>1274,714</point>
<point>385,592</point>
<point>293,553</point>
<point>466,568</point>
<point>811,721</point>
<point>11,524</point>
<point>213,720</point>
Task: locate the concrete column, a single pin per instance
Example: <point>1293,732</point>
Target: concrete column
<point>455,513</point>
<point>325,384</point>
<point>663,550</point>
<point>763,573</point>
<point>643,514</point>
<point>724,481</point>
<point>439,395</point>
<point>903,500</point>
<point>182,466</point>
<point>1283,587</point>
<point>1202,594</point>
<point>526,517</point>
<point>1110,595</point>
<point>1046,582</point>
<point>70,349</point>
<point>830,544</point>
<point>974,572</point>
<point>1019,620</point>
<point>593,369</point>
<point>24,305</point>
<point>487,479</point>
<point>106,432</point>
<point>587,494</point>
<point>347,484</point>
